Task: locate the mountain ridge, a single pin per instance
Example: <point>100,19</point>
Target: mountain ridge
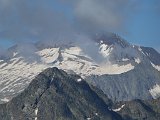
<point>56,95</point>
<point>20,67</point>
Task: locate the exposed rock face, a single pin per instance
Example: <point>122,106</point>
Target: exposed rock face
<point>152,55</point>
<point>55,95</point>
<point>140,110</point>
<point>135,84</point>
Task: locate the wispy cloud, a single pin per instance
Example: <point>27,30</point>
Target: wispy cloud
<point>33,20</point>
<point>24,20</point>
<point>101,15</point>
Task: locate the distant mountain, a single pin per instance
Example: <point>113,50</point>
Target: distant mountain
<point>108,57</point>
<point>56,95</point>
<point>135,84</point>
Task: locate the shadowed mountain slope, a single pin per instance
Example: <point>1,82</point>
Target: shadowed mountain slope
<point>55,95</point>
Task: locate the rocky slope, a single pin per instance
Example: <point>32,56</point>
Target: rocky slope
<point>55,95</point>
<point>152,55</point>
<point>139,110</point>
<point>127,86</point>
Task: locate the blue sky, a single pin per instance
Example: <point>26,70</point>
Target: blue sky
<point>142,27</point>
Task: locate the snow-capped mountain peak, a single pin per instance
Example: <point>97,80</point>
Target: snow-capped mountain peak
<point>19,69</point>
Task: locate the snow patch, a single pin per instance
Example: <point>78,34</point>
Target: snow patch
<point>155,91</point>
<point>125,59</point>
<point>36,113</point>
<point>101,42</point>
<point>112,69</point>
<point>105,50</point>
<point>140,49</point>
<point>5,100</point>
<point>156,67</point>
<point>79,80</point>
<point>137,60</point>
<point>49,55</point>
<point>14,54</point>
<point>119,109</point>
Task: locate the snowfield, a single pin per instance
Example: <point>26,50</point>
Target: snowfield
<point>16,73</point>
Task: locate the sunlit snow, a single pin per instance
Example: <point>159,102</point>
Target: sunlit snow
<point>36,113</point>
<point>17,73</point>
<point>79,80</point>
<point>137,60</point>
<point>155,91</point>
<point>5,100</point>
<point>156,67</point>
<point>118,109</point>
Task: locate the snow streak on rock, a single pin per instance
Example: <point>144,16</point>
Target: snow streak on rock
<point>155,91</point>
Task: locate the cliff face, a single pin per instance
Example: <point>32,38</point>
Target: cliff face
<point>55,95</point>
<point>140,110</point>
<point>135,84</point>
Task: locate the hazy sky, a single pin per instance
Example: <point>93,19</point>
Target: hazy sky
<point>138,21</point>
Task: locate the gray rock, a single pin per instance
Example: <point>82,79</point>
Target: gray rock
<point>134,84</point>
<point>55,95</point>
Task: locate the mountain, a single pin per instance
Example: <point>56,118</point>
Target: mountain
<point>56,95</point>
<point>105,56</point>
<point>127,86</point>
<point>152,55</point>
<point>139,109</point>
